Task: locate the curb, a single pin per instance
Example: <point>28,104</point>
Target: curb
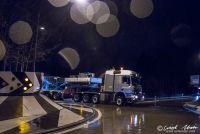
<point>191,108</point>
<point>72,125</point>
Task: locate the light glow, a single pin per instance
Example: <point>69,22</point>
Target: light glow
<point>98,12</point>
<point>30,85</point>
<point>78,13</point>
<point>24,127</point>
<point>131,119</point>
<point>42,28</point>
<point>81,1</point>
<point>135,120</point>
<point>81,110</point>
<point>26,79</point>
<point>25,88</point>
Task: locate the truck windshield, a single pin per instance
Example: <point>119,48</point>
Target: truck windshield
<point>135,80</point>
<point>126,80</point>
<point>131,80</point>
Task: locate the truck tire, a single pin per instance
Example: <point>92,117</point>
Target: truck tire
<point>77,98</point>
<point>49,96</point>
<point>86,98</point>
<point>55,96</point>
<point>95,99</point>
<point>119,101</point>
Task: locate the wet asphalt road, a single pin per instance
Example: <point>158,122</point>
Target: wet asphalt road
<point>145,119</point>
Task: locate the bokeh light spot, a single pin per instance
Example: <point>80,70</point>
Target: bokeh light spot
<point>59,3</point>
<point>78,13</point>
<point>141,8</point>
<point>2,50</point>
<point>112,6</point>
<point>96,10</point>
<point>20,32</point>
<point>109,28</point>
<point>79,1</point>
<point>71,56</point>
<point>181,35</point>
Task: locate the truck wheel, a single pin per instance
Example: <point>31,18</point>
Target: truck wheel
<point>86,98</point>
<point>95,99</point>
<point>76,98</point>
<point>49,96</point>
<point>119,100</point>
<point>55,96</point>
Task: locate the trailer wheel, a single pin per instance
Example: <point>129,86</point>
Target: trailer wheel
<point>55,96</point>
<point>119,100</point>
<point>86,98</point>
<point>76,98</point>
<point>95,99</point>
<point>49,95</point>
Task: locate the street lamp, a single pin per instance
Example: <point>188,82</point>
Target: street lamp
<point>42,28</point>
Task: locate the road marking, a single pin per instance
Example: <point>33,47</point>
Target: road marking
<point>3,98</point>
<point>80,108</point>
<point>82,125</point>
<point>67,117</point>
<point>51,102</point>
<point>32,107</point>
<point>12,123</point>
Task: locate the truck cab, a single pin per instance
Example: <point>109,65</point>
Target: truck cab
<point>125,86</point>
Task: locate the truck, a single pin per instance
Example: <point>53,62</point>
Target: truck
<point>117,86</point>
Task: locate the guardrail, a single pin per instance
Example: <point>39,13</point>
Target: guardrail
<point>159,99</point>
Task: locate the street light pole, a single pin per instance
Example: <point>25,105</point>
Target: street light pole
<point>36,42</point>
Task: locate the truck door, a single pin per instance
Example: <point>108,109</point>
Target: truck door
<point>108,83</point>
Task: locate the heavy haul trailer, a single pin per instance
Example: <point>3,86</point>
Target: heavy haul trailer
<point>120,87</point>
<point>58,88</point>
<point>81,82</point>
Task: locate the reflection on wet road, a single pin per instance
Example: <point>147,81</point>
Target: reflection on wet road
<point>37,114</point>
<point>24,127</point>
<point>139,120</point>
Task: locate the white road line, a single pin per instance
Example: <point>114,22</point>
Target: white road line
<point>81,108</point>
<point>66,117</point>
<point>74,106</point>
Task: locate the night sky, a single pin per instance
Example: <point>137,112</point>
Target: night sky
<point>164,47</point>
